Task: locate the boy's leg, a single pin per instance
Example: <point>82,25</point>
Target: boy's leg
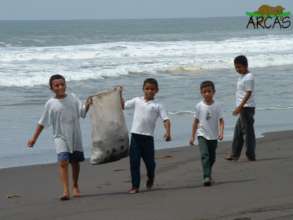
<point>205,157</point>
<point>134,158</point>
<point>238,140</point>
<point>148,156</point>
<point>75,158</point>
<point>249,133</point>
<point>212,144</point>
<point>63,170</point>
<point>75,175</point>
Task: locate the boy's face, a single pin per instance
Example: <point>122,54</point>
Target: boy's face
<point>242,69</point>
<point>150,90</point>
<point>59,87</point>
<point>207,93</point>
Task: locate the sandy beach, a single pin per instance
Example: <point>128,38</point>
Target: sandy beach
<point>243,190</point>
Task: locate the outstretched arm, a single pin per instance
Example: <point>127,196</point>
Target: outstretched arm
<point>193,131</point>
<point>122,103</point>
<point>35,136</point>
<point>167,126</point>
<point>88,103</point>
<point>84,108</point>
<point>121,97</point>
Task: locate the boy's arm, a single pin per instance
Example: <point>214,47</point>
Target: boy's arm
<point>44,122</point>
<point>128,104</point>
<point>193,131</point>
<point>221,129</point>
<point>166,121</point>
<point>167,126</point>
<point>245,99</point>
<point>86,106</point>
<point>122,103</point>
<point>83,107</point>
<point>88,103</point>
<point>35,136</point>
<point>121,97</point>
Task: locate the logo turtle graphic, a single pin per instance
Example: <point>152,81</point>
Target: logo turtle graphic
<point>268,10</point>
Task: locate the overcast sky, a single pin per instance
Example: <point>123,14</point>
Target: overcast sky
<point>116,9</point>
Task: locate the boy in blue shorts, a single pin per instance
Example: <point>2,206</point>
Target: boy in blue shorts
<point>63,112</point>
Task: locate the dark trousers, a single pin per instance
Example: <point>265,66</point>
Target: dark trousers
<point>244,131</point>
<point>141,146</point>
<point>208,155</point>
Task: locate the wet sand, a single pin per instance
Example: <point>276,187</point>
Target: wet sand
<point>243,190</point>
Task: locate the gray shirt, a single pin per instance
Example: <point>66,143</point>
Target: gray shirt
<point>63,115</point>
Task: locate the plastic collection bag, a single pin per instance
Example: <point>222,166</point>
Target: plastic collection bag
<point>110,141</point>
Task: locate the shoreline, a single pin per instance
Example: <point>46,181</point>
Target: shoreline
<point>258,137</point>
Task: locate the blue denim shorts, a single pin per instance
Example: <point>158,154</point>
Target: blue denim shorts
<point>76,156</point>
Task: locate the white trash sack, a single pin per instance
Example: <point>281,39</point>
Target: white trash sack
<point>110,140</point>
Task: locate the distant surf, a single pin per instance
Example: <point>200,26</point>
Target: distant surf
<point>31,66</point>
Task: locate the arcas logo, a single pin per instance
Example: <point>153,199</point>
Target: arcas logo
<point>268,17</point>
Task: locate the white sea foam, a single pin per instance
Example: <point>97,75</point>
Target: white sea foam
<point>30,66</point>
<point>3,44</point>
<point>262,108</point>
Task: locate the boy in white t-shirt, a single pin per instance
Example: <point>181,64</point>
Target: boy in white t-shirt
<point>245,108</point>
<point>208,124</point>
<point>146,113</point>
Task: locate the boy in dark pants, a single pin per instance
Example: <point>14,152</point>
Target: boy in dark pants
<point>146,113</point>
<point>208,124</point>
<point>245,102</point>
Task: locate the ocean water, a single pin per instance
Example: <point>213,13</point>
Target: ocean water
<point>99,54</point>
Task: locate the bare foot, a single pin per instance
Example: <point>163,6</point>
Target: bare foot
<point>65,197</point>
<point>76,192</point>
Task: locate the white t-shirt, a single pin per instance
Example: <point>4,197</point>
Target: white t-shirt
<point>63,115</point>
<point>208,117</point>
<point>245,83</point>
<point>145,115</point>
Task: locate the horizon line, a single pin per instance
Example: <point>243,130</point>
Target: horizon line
<point>109,19</point>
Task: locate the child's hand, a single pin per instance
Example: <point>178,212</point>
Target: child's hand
<point>31,143</point>
<point>221,137</point>
<point>237,111</point>
<point>89,101</point>
<point>167,137</point>
<point>120,88</point>
<point>191,142</point>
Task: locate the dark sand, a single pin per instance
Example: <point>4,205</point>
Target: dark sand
<point>244,190</point>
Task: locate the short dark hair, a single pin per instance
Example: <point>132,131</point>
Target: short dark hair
<point>151,81</point>
<point>207,84</point>
<point>53,77</point>
<point>241,60</point>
